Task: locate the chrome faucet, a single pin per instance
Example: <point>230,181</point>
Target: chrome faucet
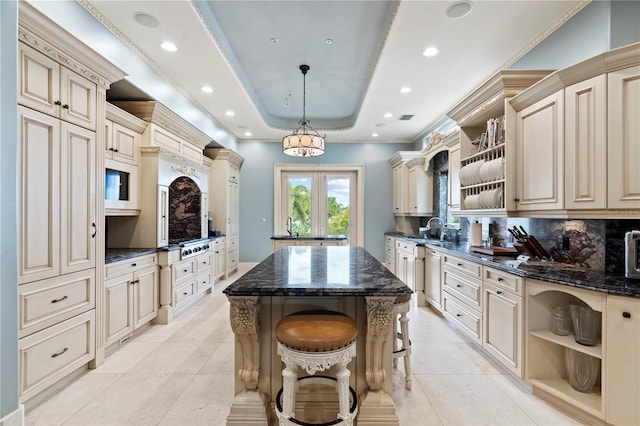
<point>442,233</point>
<point>289,225</point>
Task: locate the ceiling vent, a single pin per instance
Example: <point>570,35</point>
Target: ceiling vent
<point>406,117</point>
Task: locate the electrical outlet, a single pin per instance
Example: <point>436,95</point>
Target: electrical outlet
<point>565,242</point>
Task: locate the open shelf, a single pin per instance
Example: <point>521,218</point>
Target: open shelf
<point>560,388</point>
<point>569,342</point>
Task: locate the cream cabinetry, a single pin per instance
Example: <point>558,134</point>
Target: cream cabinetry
<point>48,87</point>
<point>462,295</point>
<point>545,366</point>
<point>276,243</point>
<point>503,318</point>
<point>577,153</point>
<point>454,180</point>
<point>131,296</point>
<point>540,155</point>
<point>219,256</point>
<point>390,253</point>
<point>61,239</point>
<point>433,279</point>
<point>490,191</point>
<point>623,128</point>
<point>224,181</point>
<point>410,266</point>
<point>622,380</point>
<point>191,277</point>
<point>412,190</point>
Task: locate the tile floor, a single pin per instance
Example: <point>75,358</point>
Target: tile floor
<point>179,374</point>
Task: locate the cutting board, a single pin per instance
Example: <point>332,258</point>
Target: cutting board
<point>496,251</point>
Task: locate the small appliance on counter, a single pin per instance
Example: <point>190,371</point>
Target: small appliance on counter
<point>631,256</point>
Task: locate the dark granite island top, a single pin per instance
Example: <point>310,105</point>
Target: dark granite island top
<point>318,271</point>
<point>296,278</point>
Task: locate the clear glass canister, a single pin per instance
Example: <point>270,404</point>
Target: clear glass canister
<point>560,322</point>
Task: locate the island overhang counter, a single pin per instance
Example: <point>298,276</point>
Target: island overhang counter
<point>297,278</point>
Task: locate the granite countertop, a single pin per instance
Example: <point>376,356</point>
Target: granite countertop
<point>309,237</point>
<point>544,271</point>
<point>319,271</point>
<point>117,254</point>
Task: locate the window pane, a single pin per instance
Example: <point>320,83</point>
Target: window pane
<point>300,204</point>
<point>338,215</point>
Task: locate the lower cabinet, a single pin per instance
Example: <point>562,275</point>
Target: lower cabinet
<point>433,278</point>
<point>219,256</point>
<point>622,361</point>
<point>503,319</point>
<point>233,257</point>
<point>390,253</point>
<point>410,267</point>
<point>462,295</point>
<point>131,297</point>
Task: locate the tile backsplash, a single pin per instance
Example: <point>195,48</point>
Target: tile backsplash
<point>596,244</point>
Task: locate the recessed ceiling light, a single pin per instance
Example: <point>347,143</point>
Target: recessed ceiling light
<point>146,20</point>
<point>329,41</point>
<point>207,89</point>
<point>229,113</point>
<point>405,89</point>
<point>168,46</point>
<point>388,115</point>
<point>375,135</point>
<point>248,134</point>
<point>380,125</point>
<point>430,51</point>
<point>274,40</point>
<point>459,9</point>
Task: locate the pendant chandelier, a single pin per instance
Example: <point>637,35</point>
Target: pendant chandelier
<point>304,141</point>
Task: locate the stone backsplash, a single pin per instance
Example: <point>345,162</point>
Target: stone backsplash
<point>588,243</point>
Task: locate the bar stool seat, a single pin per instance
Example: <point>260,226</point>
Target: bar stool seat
<point>316,341</point>
<point>400,310</point>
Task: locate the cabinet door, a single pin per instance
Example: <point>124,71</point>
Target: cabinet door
<point>204,222</point>
<point>413,190</point>
<point>232,206</point>
<point>39,186</point>
<point>39,85</point>
<point>433,279</point>
<point>623,130</point>
<point>586,145</point>
<point>118,308</point>
<point>503,319</point>
<point>78,226</point>
<point>163,215</point>
<point>622,378</point>
<point>454,180</point>
<point>411,272</point>
<point>540,155</point>
<point>124,143</point>
<point>401,266</point>
<point>78,97</point>
<point>145,296</point>
<point>219,256</point>
<point>400,193</point>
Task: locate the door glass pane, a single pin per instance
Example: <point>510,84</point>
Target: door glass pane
<point>338,196</point>
<point>300,204</point>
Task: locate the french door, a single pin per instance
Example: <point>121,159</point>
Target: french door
<point>320,200</point>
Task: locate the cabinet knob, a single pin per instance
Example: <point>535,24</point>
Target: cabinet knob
<point>458,285</point>
<point>458,315</point>
<point>65,106</point>
<point>459,264</point>
<point>57,103</point>
<point>516,200</point>
<point>498,292</point>
<point>133,265</point>
<point>115,149</point>
<point>186,270</point>
<point>500,280</point>
<point>185,293</point>
<point>626,314</point>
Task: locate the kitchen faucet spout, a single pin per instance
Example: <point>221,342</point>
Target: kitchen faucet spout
<point>289,225</point>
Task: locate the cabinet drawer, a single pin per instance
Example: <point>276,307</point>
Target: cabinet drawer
<point>130,265</point>
<point>47,302</point>
<point>464,288</point>
<point>504,280</point>
<point>469,321</point>
<point>457,264</point>
<point>47,356</point>
<point>232,260</point>
<point>232,243</point>
<point>400,245</point>
<point>218,243</point>
<point>203,282</point>
<point>183,293</point>
<point>203,261</point>
<point>183,270</point>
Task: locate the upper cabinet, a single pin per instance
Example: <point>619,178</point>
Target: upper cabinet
<point>577,140</point>
<point>48,87</point>
<point>412,187</point>
<point>487,148</point>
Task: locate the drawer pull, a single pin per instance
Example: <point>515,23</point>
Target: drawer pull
<point>57,103</point>
<point>500,279</point>
<point>57,354</point>
<point>204,263</point>
<point>498,292</point>
<point>458,315</point>
<point>59,300</point>
<point>459,264</point>
<point>185,293</point>
<point>185,271</point>
<point>133,265</point>
<point>458,285</point>
<point>135,281</point>
<point>626,314</point>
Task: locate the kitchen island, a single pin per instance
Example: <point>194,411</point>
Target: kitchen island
<point>297,278</point>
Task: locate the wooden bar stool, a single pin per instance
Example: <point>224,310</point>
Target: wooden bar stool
<point>316,341</point>
<point>401,309</point>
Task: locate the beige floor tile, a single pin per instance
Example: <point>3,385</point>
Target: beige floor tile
<point>71,400</point>
<point>412,406</point>
<point>442,358</point>
<point>127,356</point>
<point>134,399</point>
<point>176,358</point>
<point>221,360</point>
<point>471,400</point>
<point>205,401</point>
